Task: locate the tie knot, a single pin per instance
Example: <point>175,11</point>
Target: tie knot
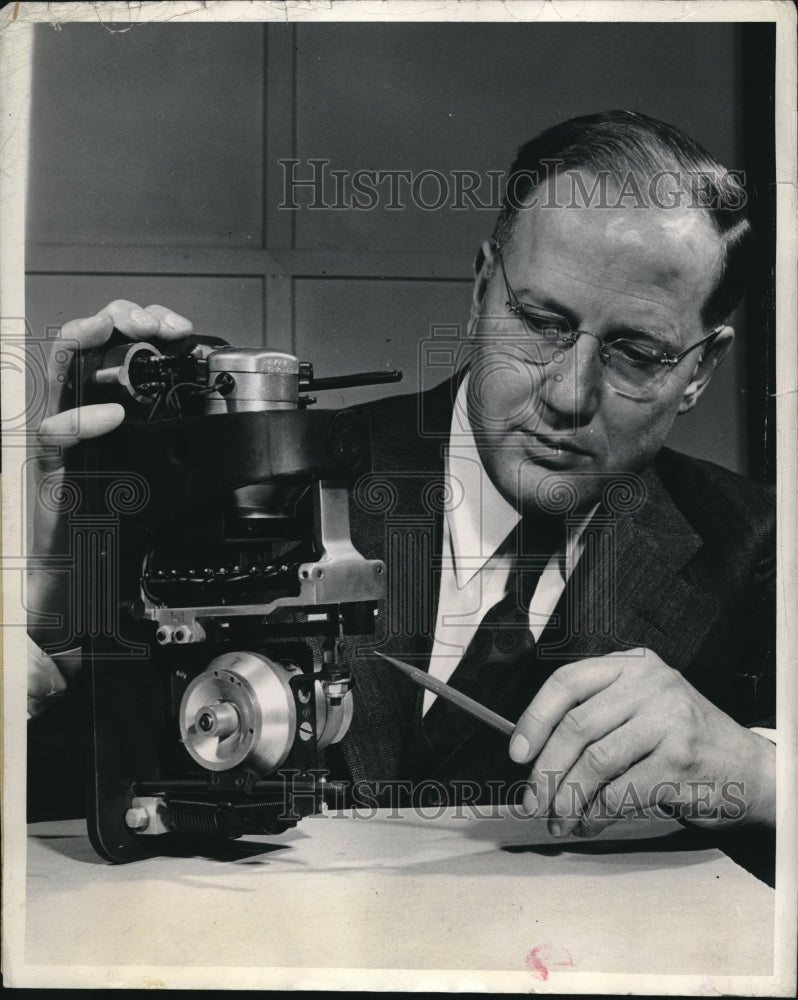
<point>531,545</point>
<point>539,535</point>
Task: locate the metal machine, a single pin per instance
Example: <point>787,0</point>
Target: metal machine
<point>217,580</point>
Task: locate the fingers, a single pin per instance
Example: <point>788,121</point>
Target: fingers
<point>567,687</point>
<point>130,319</point>
<point>45,680</point>
<point>171,325</point>
<point>608,758</point>
<point>67,428</point>
<point>93,331</point>
<point>639,788</point>
<point>578,730</point>
<point>139,324</point>
<point>88,332</point>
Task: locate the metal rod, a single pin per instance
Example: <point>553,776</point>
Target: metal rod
<point>169,786</point>
<point>348,381</point>
<point>467,704</point>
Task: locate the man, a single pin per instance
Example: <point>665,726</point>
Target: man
<point>643,661</point>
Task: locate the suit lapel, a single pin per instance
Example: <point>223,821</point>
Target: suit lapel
<point>409,452</point>
<point>630,590</point>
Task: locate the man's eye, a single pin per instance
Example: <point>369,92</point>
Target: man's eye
<point>548,327</point>
<point>636,354</point>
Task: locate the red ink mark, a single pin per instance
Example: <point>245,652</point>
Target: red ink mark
<point>535,966</point>
<point>540,959</point>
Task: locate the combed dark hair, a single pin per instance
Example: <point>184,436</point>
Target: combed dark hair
<point>620,143</point>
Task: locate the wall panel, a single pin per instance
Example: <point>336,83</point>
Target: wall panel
<point>390,321</point>
<point>147,137</point>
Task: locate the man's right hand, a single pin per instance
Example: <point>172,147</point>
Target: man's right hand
<point>62,428</point>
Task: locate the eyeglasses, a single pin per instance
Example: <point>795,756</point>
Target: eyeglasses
<point>631,368</point>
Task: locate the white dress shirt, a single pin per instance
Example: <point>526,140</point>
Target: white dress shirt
<point>474,569</point>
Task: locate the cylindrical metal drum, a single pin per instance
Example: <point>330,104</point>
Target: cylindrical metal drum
<point>262,380</point>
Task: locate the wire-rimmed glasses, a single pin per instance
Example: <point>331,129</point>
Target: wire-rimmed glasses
<point>631,367</point>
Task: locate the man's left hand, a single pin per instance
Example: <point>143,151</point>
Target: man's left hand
<point>610,734</point>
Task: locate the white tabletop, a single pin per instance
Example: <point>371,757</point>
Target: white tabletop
<point>457,892</point>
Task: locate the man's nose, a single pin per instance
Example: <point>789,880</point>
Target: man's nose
<point>573,385</point>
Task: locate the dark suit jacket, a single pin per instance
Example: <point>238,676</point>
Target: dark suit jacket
<point>686,568</point>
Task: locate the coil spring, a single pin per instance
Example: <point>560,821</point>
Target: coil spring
<point>192,816</point>
<point>197,817</point>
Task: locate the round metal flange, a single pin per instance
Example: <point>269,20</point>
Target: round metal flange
<point>240,710</point>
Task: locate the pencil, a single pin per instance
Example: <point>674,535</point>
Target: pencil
<point>455,697</point>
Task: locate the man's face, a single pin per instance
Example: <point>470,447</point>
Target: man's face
<point>632,273</point>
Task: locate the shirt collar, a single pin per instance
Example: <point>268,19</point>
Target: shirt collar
<point>478,518</point>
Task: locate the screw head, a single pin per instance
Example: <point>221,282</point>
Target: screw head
<point>136,818</point>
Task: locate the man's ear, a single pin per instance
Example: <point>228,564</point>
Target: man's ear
<point>484,262</point>
<point>705,367</point>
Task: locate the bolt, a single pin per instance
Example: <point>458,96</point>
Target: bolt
<point>305,731</point>
<point>163,635</point>
<point>136,818</point>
